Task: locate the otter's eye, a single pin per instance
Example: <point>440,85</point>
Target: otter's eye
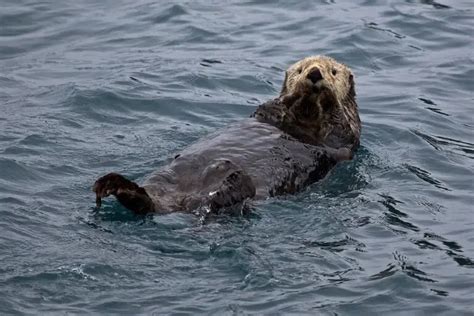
<point>351,78</point>
<point>300,70</point>
<point>334,71</point>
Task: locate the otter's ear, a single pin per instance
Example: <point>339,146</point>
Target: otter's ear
<point>352,91</point>
<point>283,88</point>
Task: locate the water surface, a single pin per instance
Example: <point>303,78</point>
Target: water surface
<point>90,87</point>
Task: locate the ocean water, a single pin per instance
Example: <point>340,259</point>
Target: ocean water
<point>91,87</point>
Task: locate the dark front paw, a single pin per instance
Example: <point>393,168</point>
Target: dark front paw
<point>288,100</point>
<point>110,184</point>
<point>234,190</point>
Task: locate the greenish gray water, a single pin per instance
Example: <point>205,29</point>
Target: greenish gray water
<point>90,87</point>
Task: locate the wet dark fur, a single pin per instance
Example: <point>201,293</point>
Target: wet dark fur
<point>287,144</point>
<point>299,117</point>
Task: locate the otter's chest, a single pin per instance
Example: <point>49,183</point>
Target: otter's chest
<point>276,163</point>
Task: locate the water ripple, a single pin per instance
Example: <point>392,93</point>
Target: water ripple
<point>94,87</point>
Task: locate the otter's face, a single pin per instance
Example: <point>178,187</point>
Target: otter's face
<point>311,75</point>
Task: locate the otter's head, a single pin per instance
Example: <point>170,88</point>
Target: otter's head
<point>320,95</point>
<point>316,104</point>
<point>313,74</point>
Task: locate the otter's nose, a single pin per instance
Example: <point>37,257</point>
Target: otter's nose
<point>315,75</point>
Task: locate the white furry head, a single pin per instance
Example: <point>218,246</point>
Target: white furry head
<point>332,75</point>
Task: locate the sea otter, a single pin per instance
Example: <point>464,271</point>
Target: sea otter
<point>288,143</point>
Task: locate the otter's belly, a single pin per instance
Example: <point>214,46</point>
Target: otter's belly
<point>275,162</point>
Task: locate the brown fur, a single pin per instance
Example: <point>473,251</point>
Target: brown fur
<point>287,144</point>
<point>324,113</point>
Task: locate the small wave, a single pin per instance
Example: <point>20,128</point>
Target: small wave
<point>441,143</point>
<point>426,176</point>
<point>15,171</point>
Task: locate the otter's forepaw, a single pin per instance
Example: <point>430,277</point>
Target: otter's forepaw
<point>234,190</point>
<point>288,100</point>
<point>111,184</point>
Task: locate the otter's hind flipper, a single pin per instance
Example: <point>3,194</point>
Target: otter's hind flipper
<point>128,193</point>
